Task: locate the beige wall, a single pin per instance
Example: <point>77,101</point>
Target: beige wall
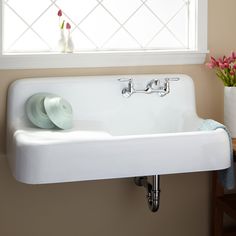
<point>117,207</point>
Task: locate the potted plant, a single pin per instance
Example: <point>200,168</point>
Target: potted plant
<point>225,69</point>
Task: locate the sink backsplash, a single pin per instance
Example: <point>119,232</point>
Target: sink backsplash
<point>98,101</point>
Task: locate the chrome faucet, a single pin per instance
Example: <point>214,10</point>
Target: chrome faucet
<point>160,86</point>
<point>129,90</point>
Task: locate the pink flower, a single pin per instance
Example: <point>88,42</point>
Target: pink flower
<point>233,55</point>
<point>230,60</point>
<point>225,59</point>
<point>59,13</point>
<point>214,61</point>
<point>226,65</point>
<point>220,60</point>
<point>222,65</point>
<point>68,26</point>
<point>210,65</point>
<point>225,68</point>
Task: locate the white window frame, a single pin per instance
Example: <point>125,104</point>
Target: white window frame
<point>114,59</point>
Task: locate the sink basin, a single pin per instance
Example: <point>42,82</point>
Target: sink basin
<point>112,136</point>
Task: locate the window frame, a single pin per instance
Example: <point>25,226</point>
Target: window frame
<point>114,58</point>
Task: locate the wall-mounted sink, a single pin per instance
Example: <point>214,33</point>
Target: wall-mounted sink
<point>113,136</point>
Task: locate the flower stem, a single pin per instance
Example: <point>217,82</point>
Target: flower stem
<point>62,25</point>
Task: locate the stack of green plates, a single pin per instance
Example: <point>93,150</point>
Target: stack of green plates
<point>49,111</point>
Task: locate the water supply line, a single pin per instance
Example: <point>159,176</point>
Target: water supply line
<point>153,190</point>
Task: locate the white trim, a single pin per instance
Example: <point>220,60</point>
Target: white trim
<point>1,26</point>
<point>114,59</point>
<point>202,21</point>
<point>111,59</point>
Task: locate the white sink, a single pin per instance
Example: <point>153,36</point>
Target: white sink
<point>113,136</point>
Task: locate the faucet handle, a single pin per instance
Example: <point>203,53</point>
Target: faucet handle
<point>172,79</point>
<point>129,90</point>
<point>165,85</point>
<point>126,80</point>
<point>165,82</point>
<point>153,84</point>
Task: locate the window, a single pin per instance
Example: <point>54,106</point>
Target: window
<point>104,32</point>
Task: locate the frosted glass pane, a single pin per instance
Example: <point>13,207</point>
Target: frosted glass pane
<point>15,26</point>
<point>99,26</point>
<point>81,42</point>
<point>122,40</point>
<point>76,9</point>
<point>165,9</point>
<point>179,26</point>
<point>143,26</point>
<point>29,10</point>
<point>165,40</point>
<point>29,42</point>
<point>122,9</point>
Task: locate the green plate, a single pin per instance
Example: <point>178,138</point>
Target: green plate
<point>59,111</point>
<point>36,112</point>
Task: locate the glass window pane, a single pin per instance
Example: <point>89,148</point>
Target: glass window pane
<point>34,26</point>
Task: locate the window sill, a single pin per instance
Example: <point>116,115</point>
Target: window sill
<point>101,59</point>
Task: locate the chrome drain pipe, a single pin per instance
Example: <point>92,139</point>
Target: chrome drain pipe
<point>153,190</point>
